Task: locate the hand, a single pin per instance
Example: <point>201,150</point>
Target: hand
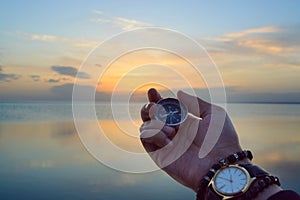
<point>176,149</point>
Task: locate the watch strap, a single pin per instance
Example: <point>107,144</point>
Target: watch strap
<point>254,171</point>
<point>211,194</point>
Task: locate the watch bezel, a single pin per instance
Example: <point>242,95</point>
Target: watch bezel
<point>230,195</point>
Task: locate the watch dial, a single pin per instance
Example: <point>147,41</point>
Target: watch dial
<point>231,180</point>
<point>171,111</point>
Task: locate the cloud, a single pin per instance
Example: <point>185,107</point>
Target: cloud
<point>35,78</point>
<point>62,40</point>
<point>65,91</point>
<point>70,71</point>
<point>268,40</point>
<point>231,36</point>
<point>123,23</point>
<point>261,48</point>
<point>7,77</point>
<point>53,80</point>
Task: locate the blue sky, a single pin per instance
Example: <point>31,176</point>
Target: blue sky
<point>208,18</point>
<point>250,41</point>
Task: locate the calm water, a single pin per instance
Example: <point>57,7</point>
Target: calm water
<point>43,158</point>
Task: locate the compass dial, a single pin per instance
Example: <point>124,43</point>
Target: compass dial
<point>171,111</point>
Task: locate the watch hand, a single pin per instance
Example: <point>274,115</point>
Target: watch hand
<point>225,179</point>
<point>231,181</point>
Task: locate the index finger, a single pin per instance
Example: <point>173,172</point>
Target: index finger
<point>153,97</point>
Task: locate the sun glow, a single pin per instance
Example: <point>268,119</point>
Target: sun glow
<point>138,71</point>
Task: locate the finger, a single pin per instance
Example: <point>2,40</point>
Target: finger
<point>154,137</point>
<point>150,147</point>
<point>145,111</point>
<point>169,131</point>
<point>153,124</point>
<point>158,125</point>
<point>195,105</point>
<point>153,95</point>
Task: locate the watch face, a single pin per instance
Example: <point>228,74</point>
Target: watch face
<point>231,180</point>
<point>171,111</point>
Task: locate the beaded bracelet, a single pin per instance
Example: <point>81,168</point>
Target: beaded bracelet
<point>231,159</point>
<point>258,186</point>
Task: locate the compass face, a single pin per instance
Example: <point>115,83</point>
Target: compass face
<point>171,111</point>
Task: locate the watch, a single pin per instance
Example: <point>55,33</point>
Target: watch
<point>171,111</point>
<point>233,180</point>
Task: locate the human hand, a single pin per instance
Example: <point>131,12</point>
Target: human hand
<point>176,149</point>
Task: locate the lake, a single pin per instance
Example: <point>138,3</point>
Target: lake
<point>42,156</point>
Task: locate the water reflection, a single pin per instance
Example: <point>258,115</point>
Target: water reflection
<point>46,160</point>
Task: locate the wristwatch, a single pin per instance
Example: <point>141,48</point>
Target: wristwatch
<point>233,180</point>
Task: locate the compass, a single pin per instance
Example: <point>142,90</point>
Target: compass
<point>171,111</point>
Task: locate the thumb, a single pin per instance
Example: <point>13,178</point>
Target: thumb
<point>195,105</point>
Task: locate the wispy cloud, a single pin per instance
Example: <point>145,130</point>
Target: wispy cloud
<point>244,33</point>
<point>270,40</point>
<point>70,71</point>
<point>51,80</point>
<point>62,40</point>
<point>123,23</point>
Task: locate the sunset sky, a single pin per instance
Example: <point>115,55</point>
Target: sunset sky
<point>255,45</point>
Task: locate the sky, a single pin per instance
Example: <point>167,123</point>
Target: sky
<point>255,45</point>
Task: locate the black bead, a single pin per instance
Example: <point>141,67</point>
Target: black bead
<point>216,167</point>
<point>206,179</point>
<point>241,155</point>
<point>210,174</point>
<point>267,181</point>
<point>249,155</point>
<point>203,183</point>
<point>222,161</point>
<point>231,159</point>
<point>272,179</point>
<point>261,184</point>
<point>277,181</point>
